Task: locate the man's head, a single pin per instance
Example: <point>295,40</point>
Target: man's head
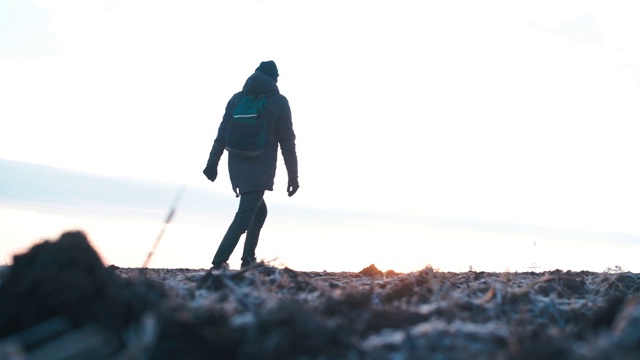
<point>269,68</point>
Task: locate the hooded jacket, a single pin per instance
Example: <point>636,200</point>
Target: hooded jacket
<point>255,174</point>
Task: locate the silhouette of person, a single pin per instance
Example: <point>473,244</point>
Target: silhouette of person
<point>251,177</point>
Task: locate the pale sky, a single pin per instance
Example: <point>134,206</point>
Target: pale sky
<point>510,111</point>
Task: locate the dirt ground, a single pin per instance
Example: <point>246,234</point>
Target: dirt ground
<point>58,301</point>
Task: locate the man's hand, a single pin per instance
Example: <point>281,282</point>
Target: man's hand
<point>292,187</point>
<point>211,172</point>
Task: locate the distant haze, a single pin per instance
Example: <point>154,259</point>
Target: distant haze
<point>124,216</point>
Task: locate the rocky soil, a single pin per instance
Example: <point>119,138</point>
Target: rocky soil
<point>58,301</point>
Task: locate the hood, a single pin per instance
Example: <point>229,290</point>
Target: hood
<point>260,84</point>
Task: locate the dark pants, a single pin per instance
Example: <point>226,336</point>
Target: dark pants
<point>250,217</point>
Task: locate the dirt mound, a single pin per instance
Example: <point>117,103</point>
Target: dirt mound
<point>60,302</point>
<point>63,285</point>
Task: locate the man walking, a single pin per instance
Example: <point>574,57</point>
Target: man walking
<point>252,175</point>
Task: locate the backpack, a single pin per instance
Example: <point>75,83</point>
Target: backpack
<point>247,132</point>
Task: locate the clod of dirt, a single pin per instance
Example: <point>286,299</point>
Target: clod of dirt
<point>371,271</point>
<point>293,331</point>
<point>67,280</point>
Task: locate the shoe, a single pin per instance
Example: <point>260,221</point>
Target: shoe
<point>219,267</point>
<point>247,262</point>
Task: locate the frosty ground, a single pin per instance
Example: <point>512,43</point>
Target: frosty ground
<point>58,301</point>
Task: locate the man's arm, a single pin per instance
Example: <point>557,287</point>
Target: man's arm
<point>287,140</point>
<point>211,170</point>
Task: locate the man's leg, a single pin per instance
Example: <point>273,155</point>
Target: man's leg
<point>253,233</point>
<point>249,205</point>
